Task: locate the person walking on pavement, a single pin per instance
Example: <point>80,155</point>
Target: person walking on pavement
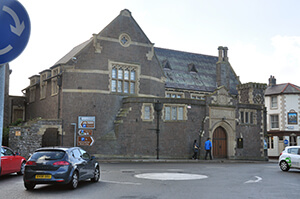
<point>208,146</point>
<point>196,149</point>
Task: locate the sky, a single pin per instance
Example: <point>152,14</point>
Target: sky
<point>263,37</point>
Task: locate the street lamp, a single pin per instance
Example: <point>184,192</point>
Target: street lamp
<point>157,107</point>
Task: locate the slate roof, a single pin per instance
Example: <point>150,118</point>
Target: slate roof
<point>286,88</point>
<point>183,70</point>
<point>65,59</point>
<point>190,71</point>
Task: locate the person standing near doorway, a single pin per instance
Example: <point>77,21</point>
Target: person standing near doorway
<point>196,149</point>
<point>208,146</point>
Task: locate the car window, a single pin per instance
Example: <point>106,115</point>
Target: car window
<point>48,155</point>
<point>293,150</point>
<point>6,152</point>
<point>76,153</point>
<point>85,155</point>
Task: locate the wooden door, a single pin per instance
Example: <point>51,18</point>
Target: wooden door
<point>219,143</point>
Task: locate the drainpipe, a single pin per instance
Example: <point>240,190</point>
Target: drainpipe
<point>74,124</point>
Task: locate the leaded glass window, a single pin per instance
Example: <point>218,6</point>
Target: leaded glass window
<point>123,79</point>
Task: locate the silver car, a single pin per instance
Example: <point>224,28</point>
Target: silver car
<point>290,158</point>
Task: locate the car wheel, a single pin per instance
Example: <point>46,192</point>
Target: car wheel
<point>22,169</point>
<point>96,175</point>
<point>284,166</point>
<point>29,186</point>
<point>74,181</point>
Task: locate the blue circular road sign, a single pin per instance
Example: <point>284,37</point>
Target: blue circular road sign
<point>14,30</point>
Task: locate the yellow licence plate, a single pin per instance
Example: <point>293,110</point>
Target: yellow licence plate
<point>43,177</point>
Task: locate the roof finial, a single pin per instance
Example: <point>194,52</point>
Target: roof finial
<point>125,13</point>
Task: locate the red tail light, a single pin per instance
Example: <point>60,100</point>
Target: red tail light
<point>31,163</point>
<point>61,163</point>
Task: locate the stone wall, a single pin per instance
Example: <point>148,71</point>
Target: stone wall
<point>27,138</point>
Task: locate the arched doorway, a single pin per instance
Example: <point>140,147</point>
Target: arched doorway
<point>50,137</point>
<point>219,143</point>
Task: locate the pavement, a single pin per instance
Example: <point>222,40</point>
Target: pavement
<point>183,161</point>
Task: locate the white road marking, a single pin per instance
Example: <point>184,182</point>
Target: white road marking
<point>258,179</point>
<point>171,176</point>
<point>125,183</point>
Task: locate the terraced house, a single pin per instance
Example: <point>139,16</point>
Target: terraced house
<point>119,96</point>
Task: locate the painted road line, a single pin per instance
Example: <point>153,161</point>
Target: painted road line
<point>258,179</point>
<point>125,183</point>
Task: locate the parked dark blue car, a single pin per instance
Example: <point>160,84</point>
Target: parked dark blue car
<point>60,165</point>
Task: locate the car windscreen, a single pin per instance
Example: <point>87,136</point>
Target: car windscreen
<point>48,155</point>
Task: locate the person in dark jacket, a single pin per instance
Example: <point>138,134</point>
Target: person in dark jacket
<point>196,149</point>
<point>208,146</point>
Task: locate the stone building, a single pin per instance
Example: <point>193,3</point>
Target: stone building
<point>118,96</point>
<point>282,102</point>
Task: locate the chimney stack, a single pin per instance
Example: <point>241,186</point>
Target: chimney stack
<point>225,49</point>
<point>223,54</point>
<point>272,81</point>
<point>220,53</point>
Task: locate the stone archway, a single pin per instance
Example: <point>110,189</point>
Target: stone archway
<point>230,138</point>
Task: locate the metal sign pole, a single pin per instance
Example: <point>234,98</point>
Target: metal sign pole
<point>2,94</point>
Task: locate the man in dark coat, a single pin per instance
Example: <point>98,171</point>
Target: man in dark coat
<point>196,149</point>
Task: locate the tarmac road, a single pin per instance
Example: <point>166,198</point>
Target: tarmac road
<point>182,180</point>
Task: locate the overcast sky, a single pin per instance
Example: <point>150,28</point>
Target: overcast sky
<point>263,36</point>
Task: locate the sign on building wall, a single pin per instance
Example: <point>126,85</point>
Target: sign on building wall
<point>86,122</point>
<point>85,132</point>
<point>292,118</point>
<point>85,141</point>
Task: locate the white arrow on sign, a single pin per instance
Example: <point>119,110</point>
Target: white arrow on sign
<point>254,181</point>
<point>19,27</point>
<point>6,49</point>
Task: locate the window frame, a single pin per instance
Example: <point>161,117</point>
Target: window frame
<point>170,116</point>
<point>54,81</point>
<point>274,103</point>
<point>274,122</point>
<point>124,78</point>
<point>171,94</point>
<point>151,112</point>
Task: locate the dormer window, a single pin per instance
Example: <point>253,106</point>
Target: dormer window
<point>192,68</point>
<point>43,83</point>
<point>32,82</point>
<point>54,85</point>
<point>166,65</point>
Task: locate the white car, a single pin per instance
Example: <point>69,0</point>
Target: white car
<point>290,158</point>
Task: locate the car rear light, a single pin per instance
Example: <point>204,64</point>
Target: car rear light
<point>280,154</point>
<point>61,163</point>
<point>31,163</point>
